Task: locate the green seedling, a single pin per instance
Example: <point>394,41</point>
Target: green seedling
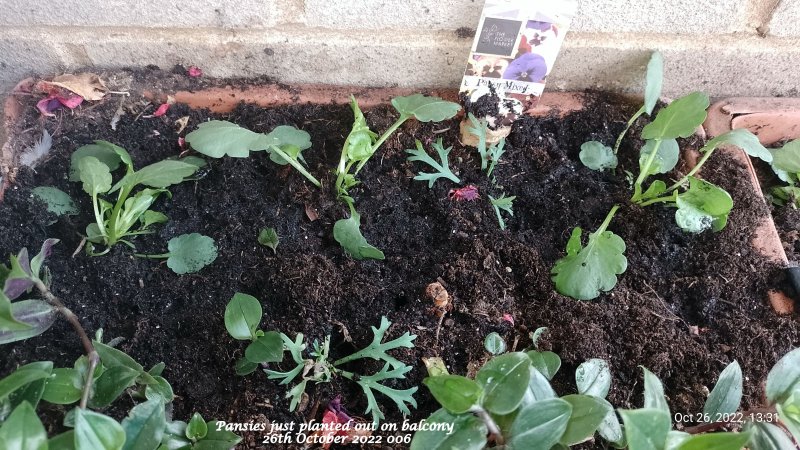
<point>347,233</point>
<point>314,365</point>
<point>188,253</point>
<point>130,214</point>
<point>505,204</point>
<point>268,237</point>
<point>284,144</point>
<point>786,164</point>
<point>490,154</point>
<point>57,201</point>
<point>442,168</point>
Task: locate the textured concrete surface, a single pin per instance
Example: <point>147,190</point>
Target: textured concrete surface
<point>786,19</point>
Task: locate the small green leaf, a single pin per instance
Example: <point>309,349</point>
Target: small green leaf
<point>702,207</point>
<point>144,426</point>
<point>265,349</point>
<point>218,138</point>
<point>268,237</point>
<point>469,433</point>
<point>587,271</point>
<point>36,316</point>
<point>196,428</point>
<point>655,190</point>
<point>587,414</point>
<point>597,156</point>
<point>63,441</point>
<point>680,119</point>
<point>503,203</point>
<point>455,393</point>
<point>58,202</point>
<point>175,437</point>
<point>242,316</point>
<point>104,151</point>
<point>161,390</point>
<point>291,140</point>
<point>217,439</point>
<point>23,430</point>
<point>348,234</point>
<point>789,413</point>
<point>784,377</point>
<point>726,396</point>
<point>244,367</point>
<point>766,436</point>
<point>786,161</point>
<point>153,217</point>
<point>538,388</point>
<point>654,397</point>
<point>63,387</point>
<point>23,376</point>
<point>675,439</point>
<point>95,176</point>
<point>667,156</point>
<point>112,357</point>
<point>504,380</point>
<point>358,145</point>
<point>646,429</point>
<point>547,363</point>
<point>716,441</point>
<point>494,344</point>
<point>655,81</point>
<point>424,108</point>
<point>163,174</point>
<point>94,431</point>
<point>111,384</point>
<point>32,392</point>
<point>746,141</point>
<point>611,430</point>
<point>540,425</point>
<point>593,378</point>
<point>189,253</point>
<point>536,335</point>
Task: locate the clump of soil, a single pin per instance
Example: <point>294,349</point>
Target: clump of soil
<point>687,306</point>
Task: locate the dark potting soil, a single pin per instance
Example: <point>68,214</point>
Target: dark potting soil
<point>687,306</point>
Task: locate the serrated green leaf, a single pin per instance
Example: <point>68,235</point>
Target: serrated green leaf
<point>547,363</point>
<point>654,397</point>
<point>424,108</point>
<point>743,139</point>
<point>218,138</point>
<point>268,237</point>
<point>504,380</point>
<point>95,176</point>
<point>646,429</point>
<point>242,316</point>
<point>265,349</point>
<point>63,387</point>
<point>597,156</point>
<point>593,377</point>
<point>144,426</point>
<point>587,271</point>
<point>494,344</point>
<point>469,433</point>
<point>716,441</point>
<point>655,81</point>
<point>455,393</point>
<point>111,384</point>
<point>726,396</point>
<point>104,151</point>
<point>23,430</point>
<point>587,414</point>
<point>540,425</point>
<point>442,168</point>
<point>95,431</point>
<point>702,207</point>
<point>190,253</point>
<point>667,156</point>
<point>57,201</point>
<point>347,233</point>
<point>679,119</point>
<point>784,377</point>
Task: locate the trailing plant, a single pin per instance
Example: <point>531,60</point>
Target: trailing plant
<point>505,204</point>
<point>699,205</point>
<point>315,365</point>
<point>188,253</point>
<point>786,164</point>
<point>285,144</point>
<point>130,214</point>
<point>361,144</point>
<point>510,404</point>
<point>95,380</point>
<point>442,168</point>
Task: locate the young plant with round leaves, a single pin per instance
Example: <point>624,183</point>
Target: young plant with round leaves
<point>285,144</point>
<point>129,215</point>
<point>188,253</point>
<point>242,319</point>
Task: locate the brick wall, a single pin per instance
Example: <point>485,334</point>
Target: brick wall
<point>724,47</point>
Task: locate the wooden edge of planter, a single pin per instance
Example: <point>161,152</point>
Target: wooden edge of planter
<point>772,120</point>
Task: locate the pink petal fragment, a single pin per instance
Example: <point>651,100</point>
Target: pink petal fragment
<point>194,72</point>
<point>46,106</point>
<point>70,102</point>
<point>161,110</point>
<point>508,318</point>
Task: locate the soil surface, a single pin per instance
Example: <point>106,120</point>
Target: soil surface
<point>687,306</point>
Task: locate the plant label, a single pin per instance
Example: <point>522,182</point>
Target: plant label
<point>516,46</point>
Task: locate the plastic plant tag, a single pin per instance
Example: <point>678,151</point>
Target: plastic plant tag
<point>515,48</point>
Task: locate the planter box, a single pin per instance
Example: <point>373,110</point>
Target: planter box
<point>686,335</point>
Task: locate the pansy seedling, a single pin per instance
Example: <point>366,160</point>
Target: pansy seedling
<point>188,253</point>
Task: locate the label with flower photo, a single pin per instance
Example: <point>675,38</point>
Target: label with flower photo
<point>516,46</point>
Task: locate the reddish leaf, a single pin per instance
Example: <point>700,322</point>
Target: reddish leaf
<point>161,110</point>
<point>508,318</point>
<point>468,193</point>
<point>70,102</point>
<point>194,72</point>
